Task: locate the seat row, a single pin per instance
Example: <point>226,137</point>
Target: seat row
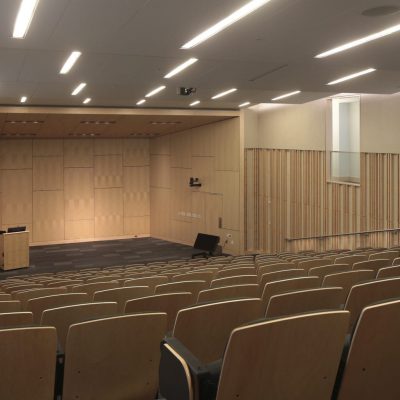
<point>220,351</point>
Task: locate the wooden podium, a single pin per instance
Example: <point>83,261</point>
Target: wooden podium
<point>14,250</point>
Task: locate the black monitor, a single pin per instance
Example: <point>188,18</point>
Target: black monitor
<point>16,229</point>
<point>206,242</point>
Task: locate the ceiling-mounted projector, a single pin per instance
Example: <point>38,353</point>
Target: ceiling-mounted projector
<point>184,91</point>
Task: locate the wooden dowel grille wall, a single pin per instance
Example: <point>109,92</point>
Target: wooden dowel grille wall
<point>288,196</point>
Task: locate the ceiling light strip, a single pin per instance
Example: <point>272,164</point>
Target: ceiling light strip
<point>78,89</point>
<point>237,15</point>
<point>23,99</point>
<point>359,42</point>
<point>194,103</point>
<point>217,96</point>
<point>69,63</point>
<point>284,96</point>
<point>87,100</point>
<point>140,102</point>
<point>352,76</point>
<point>181,67</point>
<point>24,17</point>
<point>246,103</point>
<point>155,91</point>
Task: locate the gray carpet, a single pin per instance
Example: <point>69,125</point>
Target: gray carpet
<point>77,256</point>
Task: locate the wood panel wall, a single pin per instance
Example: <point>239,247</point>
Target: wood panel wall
<point>75,189</point>
<point>287,195</point>
<point>212,154</point>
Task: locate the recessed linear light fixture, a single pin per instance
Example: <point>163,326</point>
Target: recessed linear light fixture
<point>246,103</point>
<point>23,99</point>
<point>155,91</point>
<point>87,100</point>
<point>237,15</point>
<point>194,103</point>
<point>78,89</point>
<point>181,67</point>
<point>286,95</point>
<point>24,18</point>
<point>359,42</point>
<point>140,102</point>
<point>352,76</point>
<point>217,96</point>
<point>69,63</point>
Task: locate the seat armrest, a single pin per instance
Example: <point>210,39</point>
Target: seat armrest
<point>185,377</point>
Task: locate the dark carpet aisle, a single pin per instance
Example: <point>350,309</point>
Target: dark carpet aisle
<point>77,256</point>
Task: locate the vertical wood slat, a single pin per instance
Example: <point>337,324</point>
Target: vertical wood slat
<point>292,198</point>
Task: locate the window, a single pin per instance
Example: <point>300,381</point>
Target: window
<point>343,140</point>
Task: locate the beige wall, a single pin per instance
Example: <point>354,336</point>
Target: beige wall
<point>211,153</point>
<point>303,127</point>
<point>78,189</point>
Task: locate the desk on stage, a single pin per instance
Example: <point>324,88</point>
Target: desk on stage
<point>14,250</point>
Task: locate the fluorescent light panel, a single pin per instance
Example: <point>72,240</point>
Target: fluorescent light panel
<point>23,99</point>
<point>286,95</point>
<point>352,76</point>
<point>359,42</point>
<point>87,100</point>
<point>194,103</point>
<point>237,15</point>
<point>78,89</point>
<point>155,91</point>
<point>24,18</point>
<point>217,96</point>
<point>140,102</point>
<point>246,103</point>
<point>69,63</point>
<point>181,67</point>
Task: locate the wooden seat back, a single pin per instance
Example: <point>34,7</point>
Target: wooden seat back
<point>193,287</point>
<point>194,276</point>
<point>304,301</point>
<point>63,317</point>
<point>329,269</point>
<point>229,292</point>
<point>128,368</point>
<point>26,295</point>
<point>347,279</point>
<point>374,264</point>
<point>285,358</point>
<point>122,295</point>
<point>151,281</point>
<point>372,366</point>
<point>91,288</point>
<point>391,255</point>
<point>39,304</point>
<point>14,319</point>
<point>169,303</point>
<point>288,285</point>
<point>315,262</point>
<point>388,272</point>
<point>205,329</point>
<point>10,306</point>
<point>226,273</point>
<point>234,280</point>
<point>364,294</point>
<point>264,269</point>
<point>281,275</point>
<point>27,363</point>
<point>351,259</point>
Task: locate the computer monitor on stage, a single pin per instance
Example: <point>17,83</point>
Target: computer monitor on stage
<point>206,243</point>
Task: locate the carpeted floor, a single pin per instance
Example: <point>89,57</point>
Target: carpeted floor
<point>101,254</point>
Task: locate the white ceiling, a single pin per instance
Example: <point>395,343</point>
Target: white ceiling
<point>129,45</point>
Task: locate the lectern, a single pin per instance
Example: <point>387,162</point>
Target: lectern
<point>14,250</point>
